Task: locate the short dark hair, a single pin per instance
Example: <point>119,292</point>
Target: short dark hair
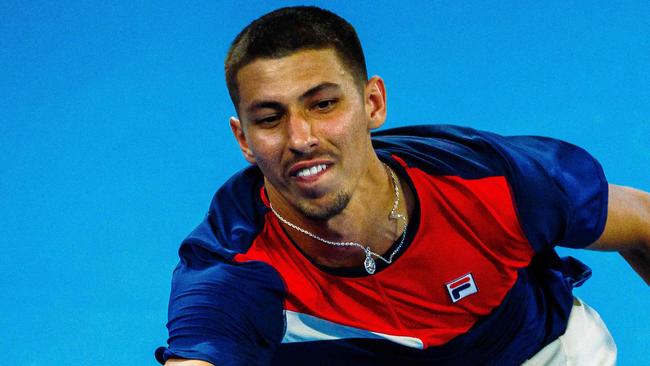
<point>291,29</point>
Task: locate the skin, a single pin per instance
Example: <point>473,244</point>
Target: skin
<point>307,109</point>
<point>627,230</point>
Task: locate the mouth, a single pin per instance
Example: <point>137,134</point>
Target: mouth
<point>308,170</point>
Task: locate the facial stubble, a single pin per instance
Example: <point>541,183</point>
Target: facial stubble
<point>326,212</point>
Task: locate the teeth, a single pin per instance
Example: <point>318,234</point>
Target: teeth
<point>306,172</point>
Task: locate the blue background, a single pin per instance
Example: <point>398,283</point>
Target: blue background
<point>114,136</point>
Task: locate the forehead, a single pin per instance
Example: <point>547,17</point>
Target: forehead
<point>288,77</point>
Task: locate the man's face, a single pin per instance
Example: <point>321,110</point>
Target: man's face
<point>305,122</point>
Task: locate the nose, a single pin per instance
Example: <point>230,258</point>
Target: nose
<point>301,135</point>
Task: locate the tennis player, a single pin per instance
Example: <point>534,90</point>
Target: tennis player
<point>420,245</point>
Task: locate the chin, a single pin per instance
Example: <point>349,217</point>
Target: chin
<point>325,210</point>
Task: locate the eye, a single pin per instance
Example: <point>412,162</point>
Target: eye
<point>268,120</point>
<point>324,105</point>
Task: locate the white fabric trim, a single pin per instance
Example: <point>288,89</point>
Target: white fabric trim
<point>305,328</point>
<point>586,342</point>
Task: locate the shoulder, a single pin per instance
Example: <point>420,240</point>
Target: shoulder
<point>207,255</point>
<point>444,149</point>
<point>559,189</point>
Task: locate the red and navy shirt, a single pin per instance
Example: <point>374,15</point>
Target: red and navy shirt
<point>477,281</point>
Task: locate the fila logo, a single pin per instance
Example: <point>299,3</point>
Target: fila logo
<point>461,287</point>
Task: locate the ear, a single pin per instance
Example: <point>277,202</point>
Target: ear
<point>375,101</point>
<point>240,136</point>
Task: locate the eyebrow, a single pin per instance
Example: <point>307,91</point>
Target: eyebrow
<point>262,105</point>
<point>309,93</point>
<point>318,88</point>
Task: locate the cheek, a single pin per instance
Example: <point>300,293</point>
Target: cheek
<point>346,127</point>
<point>267,150</point>
<point>264,145</point>
<point>353,132</point>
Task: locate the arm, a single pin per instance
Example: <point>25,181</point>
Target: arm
<point>179,362</point>
<point>628,228</point>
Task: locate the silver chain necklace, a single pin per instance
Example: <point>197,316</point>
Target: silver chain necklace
<point>369,263</point>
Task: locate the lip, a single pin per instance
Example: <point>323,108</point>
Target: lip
<point>295,168</point>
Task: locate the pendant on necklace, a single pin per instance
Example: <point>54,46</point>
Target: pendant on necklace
<point>369,263</point>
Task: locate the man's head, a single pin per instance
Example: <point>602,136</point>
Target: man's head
<point>289,30</point>
<point>305,114</point>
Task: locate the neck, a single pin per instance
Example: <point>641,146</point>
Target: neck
<point>364,220</point>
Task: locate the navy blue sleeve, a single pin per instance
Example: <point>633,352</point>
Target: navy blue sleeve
<point>224,313</point>
<point>559,189</point>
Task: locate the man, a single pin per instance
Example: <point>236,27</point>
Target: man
<point>417,245</point>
